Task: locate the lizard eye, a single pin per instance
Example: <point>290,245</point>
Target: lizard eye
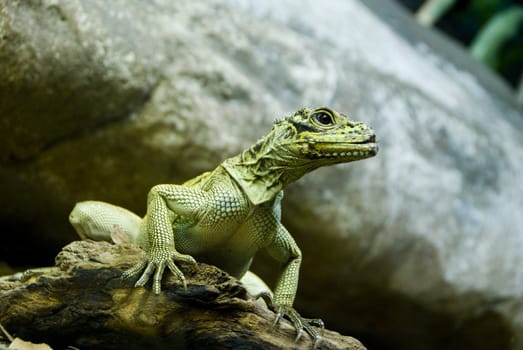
<point>323,118</point>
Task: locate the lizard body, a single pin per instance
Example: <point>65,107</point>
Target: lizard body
<point>223,217</point>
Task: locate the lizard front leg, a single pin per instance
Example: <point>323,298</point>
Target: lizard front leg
<point>285,250</point>
<point>164,203</point>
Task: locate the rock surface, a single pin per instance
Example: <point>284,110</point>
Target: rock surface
<point>84,303</point>
<point>420,247</point>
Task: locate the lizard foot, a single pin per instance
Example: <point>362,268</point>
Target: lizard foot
<point>155,264</point>
<point>301,324</point>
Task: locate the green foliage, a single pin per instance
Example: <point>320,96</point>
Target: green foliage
<point>499,29</point>
<point>432,10</point>
<point>493,29</point>
<point>483,10</point>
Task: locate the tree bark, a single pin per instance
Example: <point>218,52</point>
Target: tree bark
<point>83,302</point>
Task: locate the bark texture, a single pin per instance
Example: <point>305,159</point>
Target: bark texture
<point>83,302</point>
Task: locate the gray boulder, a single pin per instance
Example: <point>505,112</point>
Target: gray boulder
<point>420,247</point>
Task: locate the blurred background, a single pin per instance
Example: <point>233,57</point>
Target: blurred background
<point>420,247</point>
<point>491,30</point>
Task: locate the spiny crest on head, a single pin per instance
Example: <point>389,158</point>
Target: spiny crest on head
<point>300,113</point>
<point>281,129</point>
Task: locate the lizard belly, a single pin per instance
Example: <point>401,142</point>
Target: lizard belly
<point>226,260</point>
<point>230,248</point>
<point>195,239</point>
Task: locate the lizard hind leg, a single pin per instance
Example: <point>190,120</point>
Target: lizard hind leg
<point>102,221</point>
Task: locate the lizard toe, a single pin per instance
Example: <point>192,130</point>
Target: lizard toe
<point>135,270</point>
<point>185,258</point>
<point>176,271</point>
<point>145,275</point>
<point>301,324</point>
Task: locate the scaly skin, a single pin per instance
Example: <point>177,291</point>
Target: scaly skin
<point>225,216</point>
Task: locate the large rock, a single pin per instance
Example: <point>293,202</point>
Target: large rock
<point>420,247</point>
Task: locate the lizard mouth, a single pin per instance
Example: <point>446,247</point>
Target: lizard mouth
<point>344,151</point>
<point>354,153</point>
<point>370,140</point>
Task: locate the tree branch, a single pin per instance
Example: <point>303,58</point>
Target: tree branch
<point>83,302</point>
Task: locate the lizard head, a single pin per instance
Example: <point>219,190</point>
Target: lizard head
<point>296,145</point>
<point>323,136</point>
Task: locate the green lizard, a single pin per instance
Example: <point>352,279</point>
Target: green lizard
<point>223,217</point>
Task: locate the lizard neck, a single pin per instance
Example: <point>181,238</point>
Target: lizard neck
<point>265,169</point>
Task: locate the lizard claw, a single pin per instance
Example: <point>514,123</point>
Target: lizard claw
<point>301,324</point>
<point>277,319</point>
<point>155,265</point>
<point>133,271</point>
<point>298,335</point>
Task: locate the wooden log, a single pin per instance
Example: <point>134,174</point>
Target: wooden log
<point>83,302</point>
